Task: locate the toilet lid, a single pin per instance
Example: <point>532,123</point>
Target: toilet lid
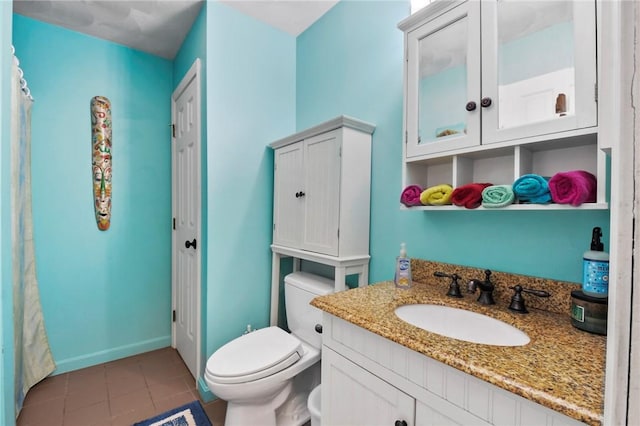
<point>254,355</point>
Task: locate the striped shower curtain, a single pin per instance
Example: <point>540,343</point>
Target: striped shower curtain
<point>33,359</point>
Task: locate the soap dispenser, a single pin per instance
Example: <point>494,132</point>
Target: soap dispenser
<point>595,268</point>
<point>403,269</point>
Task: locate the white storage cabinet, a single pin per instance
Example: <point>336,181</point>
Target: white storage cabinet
<point>498,89</point>
<point>321,206</point>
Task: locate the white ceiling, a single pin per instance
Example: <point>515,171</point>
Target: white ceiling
<point>160,26</point>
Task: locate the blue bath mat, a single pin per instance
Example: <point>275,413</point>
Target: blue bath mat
<point>190,414</point>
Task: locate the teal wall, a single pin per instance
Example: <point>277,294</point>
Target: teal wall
<point>251,74</point>
<point>7,405</point>
<point>105,294</point>
<point>350,62</point>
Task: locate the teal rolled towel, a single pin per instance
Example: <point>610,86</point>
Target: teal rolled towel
<point>532,188</point>
<point>496,196</point>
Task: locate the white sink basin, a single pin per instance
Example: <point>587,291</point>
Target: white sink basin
<point>462,325</point>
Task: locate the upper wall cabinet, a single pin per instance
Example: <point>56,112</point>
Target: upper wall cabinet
<point>486,72</point>
<point>495,89</point>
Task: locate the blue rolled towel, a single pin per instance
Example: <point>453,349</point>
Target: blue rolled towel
<point>532,188</point>
<point>496,196</point>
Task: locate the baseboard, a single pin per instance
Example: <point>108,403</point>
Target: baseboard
<point>203,390</point>
<point>88,360</point>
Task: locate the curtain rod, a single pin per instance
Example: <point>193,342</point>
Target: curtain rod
<point>23,81</point>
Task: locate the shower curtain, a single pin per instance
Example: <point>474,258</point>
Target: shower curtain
<point>33,359</point>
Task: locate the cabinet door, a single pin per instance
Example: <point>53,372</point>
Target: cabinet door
<point>353,396</point>
<point>538,67</point>
<point>288,205</point>
<point>443,82</point>
<point>322,193</point>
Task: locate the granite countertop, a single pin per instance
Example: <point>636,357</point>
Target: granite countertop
<point>561,368</point>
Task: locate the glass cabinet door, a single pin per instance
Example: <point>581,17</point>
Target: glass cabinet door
<point>443,81</point>
<point>538,68</point>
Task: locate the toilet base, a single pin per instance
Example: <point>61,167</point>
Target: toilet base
<point>287,408</point>
<point>294,411</point>
<point>264,414</point>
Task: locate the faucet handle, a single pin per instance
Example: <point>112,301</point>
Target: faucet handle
<point>487,275</point>
<point>517,301</point>
<point>454,287</point>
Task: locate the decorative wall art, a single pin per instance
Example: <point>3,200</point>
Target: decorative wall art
<point>101,141</point>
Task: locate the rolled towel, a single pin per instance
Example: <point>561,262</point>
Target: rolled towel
<point>411,196</point>
<point>532,188</point>
<point>436,195</point>
<point>469,195</point>
<point>574,187</point>
<point>497,196</point>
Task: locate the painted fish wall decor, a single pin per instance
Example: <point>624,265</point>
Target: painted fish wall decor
<point>101,141</point>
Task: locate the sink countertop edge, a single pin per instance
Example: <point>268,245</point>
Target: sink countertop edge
<point>558,363</point>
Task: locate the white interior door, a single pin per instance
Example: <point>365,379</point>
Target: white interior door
<point>186,245</point>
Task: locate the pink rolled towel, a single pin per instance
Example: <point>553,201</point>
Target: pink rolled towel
<point>411,196</point>
<point>574,187</point>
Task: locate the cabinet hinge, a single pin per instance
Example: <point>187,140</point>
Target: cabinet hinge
<point>595,91</point>
<point>274,226</point>
<point>338,232</point>
<point>173,130</point>
<point>406,137</point>
<point>340,152</point>
<point>174,223</point>
<point>173,316</point>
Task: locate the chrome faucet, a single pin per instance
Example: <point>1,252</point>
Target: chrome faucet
<point>486,289</point>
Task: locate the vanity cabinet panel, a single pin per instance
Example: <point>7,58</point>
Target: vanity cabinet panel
<point>353,396</point>
<point>486,78</point>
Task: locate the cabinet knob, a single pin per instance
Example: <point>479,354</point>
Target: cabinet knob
<point>189,244</point>
<point>471,106</point>
<point>318,328</point>
<point>400,423</point>
<point>485,102</point>
<point>299,194</point>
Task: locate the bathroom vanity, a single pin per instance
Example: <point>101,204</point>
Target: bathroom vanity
<point>378,369</point>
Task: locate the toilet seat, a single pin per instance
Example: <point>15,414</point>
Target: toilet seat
<point>254,355</point>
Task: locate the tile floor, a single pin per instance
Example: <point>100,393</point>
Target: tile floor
<point>117,393</point>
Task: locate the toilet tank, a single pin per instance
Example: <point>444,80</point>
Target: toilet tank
<point>299,289</point>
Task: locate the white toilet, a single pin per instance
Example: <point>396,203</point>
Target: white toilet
<point>266,376</point>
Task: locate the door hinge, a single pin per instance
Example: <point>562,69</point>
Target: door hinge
<point>173,316</point>
<point>595,91</point>
<point>173,130</point>
<point>174,223</point>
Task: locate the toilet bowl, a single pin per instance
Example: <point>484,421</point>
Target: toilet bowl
<point>266,375</point>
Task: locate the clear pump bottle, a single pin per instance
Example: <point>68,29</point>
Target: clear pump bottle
<point>403,269</point>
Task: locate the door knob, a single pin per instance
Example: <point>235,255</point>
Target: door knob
<point>188,243</point>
